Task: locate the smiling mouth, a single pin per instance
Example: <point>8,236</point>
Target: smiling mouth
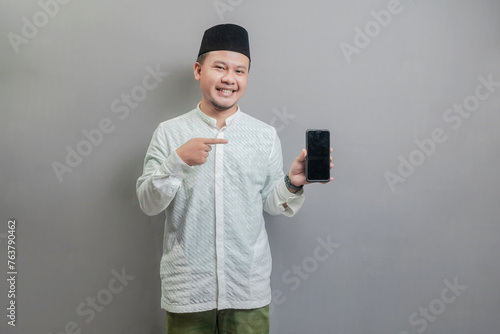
<point>227,91</point>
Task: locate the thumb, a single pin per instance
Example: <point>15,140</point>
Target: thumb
<point>302,156</point>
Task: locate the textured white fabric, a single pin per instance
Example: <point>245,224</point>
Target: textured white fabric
<point>215,251</point>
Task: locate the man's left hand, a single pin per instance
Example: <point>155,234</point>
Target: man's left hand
<point>297,173</point>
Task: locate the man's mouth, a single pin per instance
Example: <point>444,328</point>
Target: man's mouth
<point>226,91</point>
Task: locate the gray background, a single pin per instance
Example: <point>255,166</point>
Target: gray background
<point>395,249</point>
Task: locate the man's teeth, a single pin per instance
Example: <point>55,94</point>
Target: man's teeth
<point>226,90</point>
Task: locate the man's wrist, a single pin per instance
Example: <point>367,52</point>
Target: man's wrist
<point>292,187</point>
<point>175,166</point>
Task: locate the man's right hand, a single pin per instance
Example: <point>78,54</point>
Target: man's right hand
<point>195,151</point>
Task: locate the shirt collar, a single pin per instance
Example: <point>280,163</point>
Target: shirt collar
<point>213,122</point>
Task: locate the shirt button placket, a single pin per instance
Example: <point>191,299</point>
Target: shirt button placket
<point>219,221</point>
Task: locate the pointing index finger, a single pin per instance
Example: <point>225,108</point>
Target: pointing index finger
<point>213,141</point>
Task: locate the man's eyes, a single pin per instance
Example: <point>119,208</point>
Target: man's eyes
<point>222,68</point>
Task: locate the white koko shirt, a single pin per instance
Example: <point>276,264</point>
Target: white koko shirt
<point>215,249</point>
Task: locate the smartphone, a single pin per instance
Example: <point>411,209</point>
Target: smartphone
<point>318,155</point>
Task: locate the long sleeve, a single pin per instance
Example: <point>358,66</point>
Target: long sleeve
<point>162,176</point>
<point>275,194</point>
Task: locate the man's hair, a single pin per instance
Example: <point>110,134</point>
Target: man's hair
<point>201,59</point>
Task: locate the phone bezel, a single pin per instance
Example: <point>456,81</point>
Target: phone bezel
<point>307,161</point>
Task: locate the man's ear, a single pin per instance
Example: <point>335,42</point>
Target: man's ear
<point>197,70</point>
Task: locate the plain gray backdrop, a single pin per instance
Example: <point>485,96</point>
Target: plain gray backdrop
<point>404,240</point>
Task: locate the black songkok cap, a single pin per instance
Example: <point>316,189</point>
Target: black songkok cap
<point>226,37</point>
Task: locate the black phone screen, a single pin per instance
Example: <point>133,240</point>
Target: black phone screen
<point>318,155</point>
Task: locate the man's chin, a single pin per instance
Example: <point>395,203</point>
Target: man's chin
<point>221,108</point>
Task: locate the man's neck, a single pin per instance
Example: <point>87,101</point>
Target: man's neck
<point>219,115</point>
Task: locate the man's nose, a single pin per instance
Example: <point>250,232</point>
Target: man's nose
<point>229,78</point>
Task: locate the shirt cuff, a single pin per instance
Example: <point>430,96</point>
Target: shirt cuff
<point>176,167</point>
<point>284,195</point>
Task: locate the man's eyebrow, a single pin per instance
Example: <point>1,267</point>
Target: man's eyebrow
<point>225,64</point>
<point>219,62</point>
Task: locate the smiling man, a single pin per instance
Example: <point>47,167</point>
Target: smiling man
<point>214,171</point>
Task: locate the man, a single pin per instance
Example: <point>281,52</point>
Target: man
<point>214,170</point>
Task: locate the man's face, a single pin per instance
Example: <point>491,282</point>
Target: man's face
<point>223,79</point>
